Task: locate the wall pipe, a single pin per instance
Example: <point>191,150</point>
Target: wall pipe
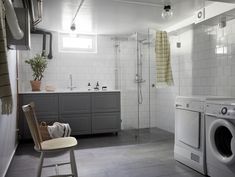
<point>44,33</point>
<point>12,21</point>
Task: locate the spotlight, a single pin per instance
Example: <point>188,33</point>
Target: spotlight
<point>167,12</point>
<point>73,27</point>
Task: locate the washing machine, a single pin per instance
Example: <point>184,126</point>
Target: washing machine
<point>189,147</point>
<point>220,137</point>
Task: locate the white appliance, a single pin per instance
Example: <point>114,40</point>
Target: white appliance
<point>220,137</point>
<point>189,147</point>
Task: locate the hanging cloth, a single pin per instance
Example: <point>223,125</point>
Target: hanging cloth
<point>5,87</point>
<point>163,65</point>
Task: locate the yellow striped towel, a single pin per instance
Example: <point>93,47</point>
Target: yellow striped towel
<point>163,64</point>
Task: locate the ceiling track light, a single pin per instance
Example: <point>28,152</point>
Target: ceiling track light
<point>167,12</point>
<point>73,25</point>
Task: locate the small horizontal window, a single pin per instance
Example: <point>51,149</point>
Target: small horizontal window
<point>221,49</point>
<point>77,43</point>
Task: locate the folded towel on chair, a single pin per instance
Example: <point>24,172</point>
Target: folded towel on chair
<point>58,130</point>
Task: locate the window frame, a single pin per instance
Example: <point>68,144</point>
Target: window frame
<point>62,49</point>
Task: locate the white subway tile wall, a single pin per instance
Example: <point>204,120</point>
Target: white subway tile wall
<point>204,65</point>
<point>84,67</point>
<point>92,68</point>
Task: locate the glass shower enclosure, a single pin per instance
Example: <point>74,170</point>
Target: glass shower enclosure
<point>133,74</point>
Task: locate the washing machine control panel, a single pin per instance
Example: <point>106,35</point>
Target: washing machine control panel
<point>221,111</point>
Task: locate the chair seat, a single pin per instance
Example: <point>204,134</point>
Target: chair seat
<point>58,143</point>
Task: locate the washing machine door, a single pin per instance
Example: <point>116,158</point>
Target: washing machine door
<point>222,140</point>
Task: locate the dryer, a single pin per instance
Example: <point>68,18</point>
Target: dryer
<point>189,147</point>
<point>220,137</point>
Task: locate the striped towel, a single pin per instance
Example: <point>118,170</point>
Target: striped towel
<point>5,87</point>
<point>58,130</point>
<point>163,64</point>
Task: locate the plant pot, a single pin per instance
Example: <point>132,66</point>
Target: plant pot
<point>35,85</point>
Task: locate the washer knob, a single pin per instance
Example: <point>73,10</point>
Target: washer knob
<point>224,110</point>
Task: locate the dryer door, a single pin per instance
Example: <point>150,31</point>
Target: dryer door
<point>187,127</point>
<point>221,140</point>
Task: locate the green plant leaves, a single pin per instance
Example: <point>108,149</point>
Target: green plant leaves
<point>38,65</point>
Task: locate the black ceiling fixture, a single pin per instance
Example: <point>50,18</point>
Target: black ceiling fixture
<point>167,12</point>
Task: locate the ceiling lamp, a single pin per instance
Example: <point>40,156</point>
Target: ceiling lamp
<point>73,25</point>
<point>167,12</point>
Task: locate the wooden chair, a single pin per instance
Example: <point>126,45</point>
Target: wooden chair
<point>49,146</point>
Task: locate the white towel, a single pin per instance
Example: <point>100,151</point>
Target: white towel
<point>58,130</point>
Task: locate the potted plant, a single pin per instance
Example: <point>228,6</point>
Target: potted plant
<point>38,65</point>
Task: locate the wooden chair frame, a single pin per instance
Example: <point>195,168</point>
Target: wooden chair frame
<point>65,144</point>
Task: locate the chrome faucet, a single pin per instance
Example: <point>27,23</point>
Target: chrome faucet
<point>71,87</point>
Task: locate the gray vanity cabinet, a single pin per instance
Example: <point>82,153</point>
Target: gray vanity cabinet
<point>106,122</point>
<point>75,109</point>
<point>75,103</point>
<point>46,104</point>
<point>105,102</point>
<point>106,112</point>
<point>46,110</point>
<point>79,123</point>
<point>86,113</point>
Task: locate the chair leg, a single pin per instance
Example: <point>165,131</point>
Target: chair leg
<point>40,165</point>
<point>73,163</point>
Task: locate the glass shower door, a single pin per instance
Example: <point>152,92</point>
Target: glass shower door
<point>129,98</point>
<point>134,82</point>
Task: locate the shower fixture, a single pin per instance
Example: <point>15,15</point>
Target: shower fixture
<point>73,25</point>
<point>139,75</point>
<point>167,12</point>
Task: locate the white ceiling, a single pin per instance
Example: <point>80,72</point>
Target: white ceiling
<point>113,16</point>
<point>226,1</point>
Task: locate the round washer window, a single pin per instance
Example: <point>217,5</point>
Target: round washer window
<point>223,138</point>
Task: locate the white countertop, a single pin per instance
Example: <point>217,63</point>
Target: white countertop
<point>203,98</point>
<point>227,101</point>
<point>68,91</point>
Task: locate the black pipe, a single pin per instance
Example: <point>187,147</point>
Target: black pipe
<point>44,40</point>
<point>50,48</point>
<point>44,33</point>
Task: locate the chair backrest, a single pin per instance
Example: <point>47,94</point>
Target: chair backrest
<point>29,111</point>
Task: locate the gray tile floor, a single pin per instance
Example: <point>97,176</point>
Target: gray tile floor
<point>148,155</point>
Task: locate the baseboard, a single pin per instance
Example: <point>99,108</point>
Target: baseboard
<point>9,162</point>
